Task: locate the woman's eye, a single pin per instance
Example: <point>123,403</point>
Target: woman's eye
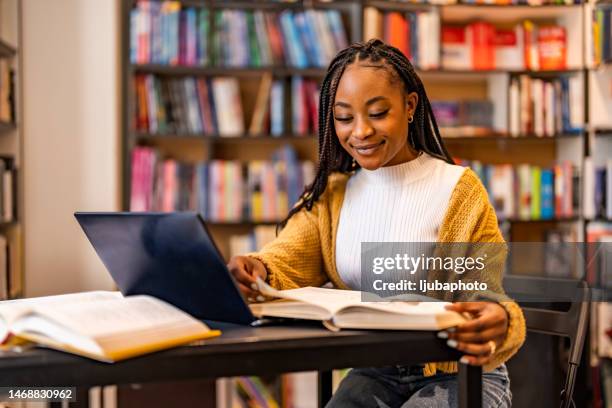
<point>379,114</point>
<point>343,118</point>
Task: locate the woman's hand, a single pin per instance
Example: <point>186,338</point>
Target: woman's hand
<point>478,337</point>
<point>246,270</point>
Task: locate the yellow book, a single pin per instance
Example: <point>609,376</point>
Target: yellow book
<point>104,326</point>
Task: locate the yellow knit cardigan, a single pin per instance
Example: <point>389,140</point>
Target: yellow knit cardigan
<point>303,254</point>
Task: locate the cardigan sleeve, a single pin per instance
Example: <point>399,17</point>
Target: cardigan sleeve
<point>471,218</point>
<point>293,259</point>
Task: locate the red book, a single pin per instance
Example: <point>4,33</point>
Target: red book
<point>483,45</point>
<point>551,48</point>
<point>396,32</point>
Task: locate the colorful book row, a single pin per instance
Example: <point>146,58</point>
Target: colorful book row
<point>221,190</point>
<point>484,46</point>
<point>526,192</point>
<point>165,33</point>
<point>545,107</point>
<point>213,106</point>
<point>415,33</point>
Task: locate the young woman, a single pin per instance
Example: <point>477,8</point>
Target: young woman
<point>385,175</point>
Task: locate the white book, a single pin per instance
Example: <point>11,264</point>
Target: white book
<point>372,27</point>
<point>549,107</point>
<point>228,105</point>
<point>576,100</point>
<point>515,108</point>
<point>537,90</point>
<point>7,196</point>
<point>103,326</point>
<point>339,309</point>
<point>589,189</point>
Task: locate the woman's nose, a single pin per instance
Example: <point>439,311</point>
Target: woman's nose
<point>362,129</point>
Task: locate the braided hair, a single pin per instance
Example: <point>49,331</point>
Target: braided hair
<point>424,135</point>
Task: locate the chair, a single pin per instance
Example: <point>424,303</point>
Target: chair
<point>532,293</point>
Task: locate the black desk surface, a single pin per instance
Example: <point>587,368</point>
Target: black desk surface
<point>238,351</point>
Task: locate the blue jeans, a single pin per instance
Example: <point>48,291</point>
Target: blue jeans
<point>406,387</point>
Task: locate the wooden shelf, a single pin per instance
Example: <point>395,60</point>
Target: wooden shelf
<point>312,138</point>
<point>264,4</point>
<point>244,223</point>
<point>226,139</point>
<point>281,71</point>
<point>226,71</point>
<point>549,73</point>
<point>539,221</point>
<point>512,139</point>
<point>6,50</point>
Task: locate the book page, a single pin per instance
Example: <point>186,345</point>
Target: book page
<point>330,299</point>
<point>13,309</point>
<point>117,316</point>
<point>334,300</point>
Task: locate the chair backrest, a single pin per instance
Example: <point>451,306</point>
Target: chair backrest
<point>538,298</point>
<point>532,293</point>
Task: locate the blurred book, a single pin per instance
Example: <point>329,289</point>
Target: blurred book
<point>528,192</point>
<point>415,33</point>
<point>103,326</point>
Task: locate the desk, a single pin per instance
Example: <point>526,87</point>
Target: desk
<point>246,351</point>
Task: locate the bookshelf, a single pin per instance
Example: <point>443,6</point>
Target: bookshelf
<point>588,134</point>
<point>11,202</point>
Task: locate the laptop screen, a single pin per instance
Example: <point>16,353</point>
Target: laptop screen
<point>170,256</point>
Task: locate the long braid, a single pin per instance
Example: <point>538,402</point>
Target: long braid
<point>424,134</point>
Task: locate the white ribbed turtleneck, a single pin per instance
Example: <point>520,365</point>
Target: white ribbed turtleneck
<point>402,203</point>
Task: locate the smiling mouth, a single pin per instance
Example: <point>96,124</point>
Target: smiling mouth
<point>369,149</point>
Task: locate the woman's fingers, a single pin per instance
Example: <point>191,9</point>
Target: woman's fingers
<point>493,333</point>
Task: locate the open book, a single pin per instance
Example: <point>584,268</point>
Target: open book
<point>101,325</point>
<point>345,309</point>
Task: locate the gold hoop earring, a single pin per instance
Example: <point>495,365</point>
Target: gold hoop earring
<point>411,119</point>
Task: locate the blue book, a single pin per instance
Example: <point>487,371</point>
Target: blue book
<point>202,188</point>
<point>134,17</point>
<point>414,42</point>
<point>291,40</point>
<point>155,32</point>
<point>306,38</point>
<point>547,203</point>
<point>277,108</point>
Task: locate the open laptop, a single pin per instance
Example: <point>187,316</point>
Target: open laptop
<point>170,256</point>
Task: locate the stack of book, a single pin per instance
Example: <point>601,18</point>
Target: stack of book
<point>415,33</point>
<point>213,106</point>
<point>165,33</point>
<point>221,190</point>
<point>527,192</point>
<point>162,32</point>
<point>602,35</point>
<point>464,118</point>
<point>483,46</point>
<point>299,39</point>
<point>546,107</point>
<point>188,106</point>
<point>597,190</point>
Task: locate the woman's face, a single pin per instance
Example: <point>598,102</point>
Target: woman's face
<point>371,117</point>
